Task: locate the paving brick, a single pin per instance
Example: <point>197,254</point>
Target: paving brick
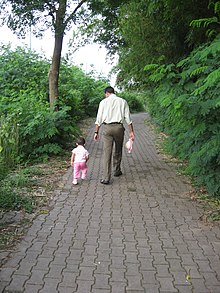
<point>33,288</point>
<point>64,289</point>
<point>84,286</point>
<point>171,254</point>
<point>211,279</point>
<point>74,254</point>
<point>146,264</point>
<point>3,285</point>
<point>101,281</point>
<point>166,284</point>
<point>198,285</point>
<point>24,268</point>
<point>50,285</point>
<point>117,262</point>
<point>17,283</point>
<point>86,273</point>
<point>89,260</point>
<point>134,282</point>
<point>162,270</point>
<point>118,287</point>
<point>37,277</point>
<point>159,259</point>
<point>43,263</point>
<point>131,257</point>
<point>149,277</point>
<point>132,269</point>
<point>204,266</point>
<point>184,288</point>
<point>6,274</point>
<point>213,289</point>
<point>69,280</point>
<point>55,271</point>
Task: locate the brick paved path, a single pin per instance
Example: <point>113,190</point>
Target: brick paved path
<point>139,234</point>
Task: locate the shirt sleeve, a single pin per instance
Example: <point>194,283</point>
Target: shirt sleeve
<point>99,117</point>
<point>127,114</point>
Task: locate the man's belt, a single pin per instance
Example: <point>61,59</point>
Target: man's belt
<point>112,123</point>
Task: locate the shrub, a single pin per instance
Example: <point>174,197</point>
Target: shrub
<point>134,99</point>
<point>186,103</point>
<point>11,199</point>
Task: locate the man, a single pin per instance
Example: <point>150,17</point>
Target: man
<point>112,113</point>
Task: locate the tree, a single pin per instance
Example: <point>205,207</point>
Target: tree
<point>41,15</point>
<point>146,31</point>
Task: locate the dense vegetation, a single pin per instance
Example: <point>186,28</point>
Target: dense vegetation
<point>186,104</point>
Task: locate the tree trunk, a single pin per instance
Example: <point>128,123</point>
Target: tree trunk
<point>54,71</point>
<point>59,27</point>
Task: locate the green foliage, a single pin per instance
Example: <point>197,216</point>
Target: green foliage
<point>29,129</point>
<point>9,138</point>
<point>22,71</point>
<point>148,31</point>
<point>80,91</point>
<point>11,199</point>
<point>210,23</point>
<point>186,103</point>
<point>134,99</point>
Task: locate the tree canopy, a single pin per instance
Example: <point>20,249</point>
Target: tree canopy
<point>142,32</point>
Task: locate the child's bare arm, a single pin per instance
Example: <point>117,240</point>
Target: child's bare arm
<point>72,159</point>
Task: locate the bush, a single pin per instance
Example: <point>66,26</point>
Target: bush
<point>10,199</point>
<point>134,99</point>
<point>186,103</point>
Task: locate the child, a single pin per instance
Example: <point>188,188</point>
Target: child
<point>79,159</point>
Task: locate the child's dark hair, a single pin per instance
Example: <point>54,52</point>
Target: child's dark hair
<point>81,141</point>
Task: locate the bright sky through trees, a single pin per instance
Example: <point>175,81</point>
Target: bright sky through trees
<point>90,57</point>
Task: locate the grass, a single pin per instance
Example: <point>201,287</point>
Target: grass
<point>28,191</point>
<point>211,205</point>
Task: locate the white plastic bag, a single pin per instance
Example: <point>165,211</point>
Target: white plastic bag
<point>128,145</point>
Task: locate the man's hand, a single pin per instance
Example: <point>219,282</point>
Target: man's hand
<point>96,137</point>
<point>132,135</point>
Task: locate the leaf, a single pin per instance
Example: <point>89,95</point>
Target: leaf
<point>149,67</point>
<point>199,70</point>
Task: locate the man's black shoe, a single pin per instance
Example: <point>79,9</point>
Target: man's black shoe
<point>104,181</point>
<point>117,173</point>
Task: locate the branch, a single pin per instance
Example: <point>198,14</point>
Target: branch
<point>74,12</point>
<point>52,10</point>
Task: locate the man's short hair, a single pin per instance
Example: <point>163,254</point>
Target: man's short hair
<point>110,90</point>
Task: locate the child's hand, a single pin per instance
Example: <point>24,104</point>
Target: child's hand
<point>72,163</point>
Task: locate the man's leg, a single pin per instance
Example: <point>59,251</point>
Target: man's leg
<point>107,152</point>
<point>119,139</point>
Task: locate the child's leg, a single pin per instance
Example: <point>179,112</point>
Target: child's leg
<point>76,172</point>
<point>84,170</point>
